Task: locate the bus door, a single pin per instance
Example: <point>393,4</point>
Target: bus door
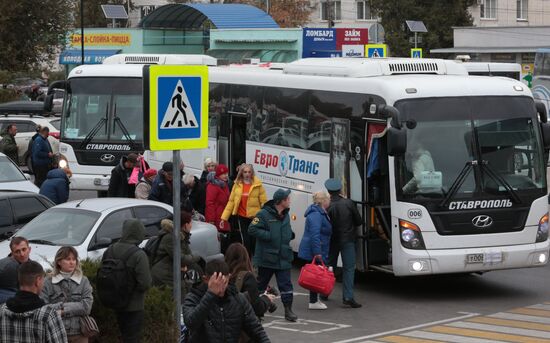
<point>377,231</point>
<point>231,141</point>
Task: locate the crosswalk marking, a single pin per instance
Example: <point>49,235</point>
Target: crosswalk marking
<point>530,324</point>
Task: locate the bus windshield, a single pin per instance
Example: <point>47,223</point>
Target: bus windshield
<point>103,109</point>
<point>470,147</point>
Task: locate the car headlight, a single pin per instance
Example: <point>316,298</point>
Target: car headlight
<point>411,236</point>
<point>542,231</point>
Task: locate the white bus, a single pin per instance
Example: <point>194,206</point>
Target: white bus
<point>511,70</point>
<point>480,204</point>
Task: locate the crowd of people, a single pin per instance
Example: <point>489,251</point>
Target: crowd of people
<point>234,293</point>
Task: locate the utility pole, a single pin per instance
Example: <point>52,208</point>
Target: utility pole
<point>82,32</point>
<point>329,13</point>
<point>267,6</point>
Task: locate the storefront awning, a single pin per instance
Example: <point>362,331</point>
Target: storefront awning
<point>238,56</point>
<point>484,50</point>
<point>74,56</point>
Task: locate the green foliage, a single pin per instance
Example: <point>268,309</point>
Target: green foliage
<point>439,17</point>
<point>159,325</point>
<point>8,95</point>
<point>31,32</point>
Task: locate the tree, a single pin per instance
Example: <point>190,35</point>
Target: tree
<point>31,32</point>
<point>439,17</point>
<point>286,13</point>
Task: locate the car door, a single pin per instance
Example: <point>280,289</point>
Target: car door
<point>151,216</point>
<point>26,208</point>
<point>111,228</point>
<point>7,226</point>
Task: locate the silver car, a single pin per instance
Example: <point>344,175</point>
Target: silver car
<point>91,225</point>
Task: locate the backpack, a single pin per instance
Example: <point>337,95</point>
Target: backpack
<point>116,282</point>
<point>151,248</point>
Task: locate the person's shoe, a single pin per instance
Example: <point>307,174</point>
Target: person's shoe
<point>324,297</point>
<point>317,306</point>
<point>289,315</point>
<point>352,303</point>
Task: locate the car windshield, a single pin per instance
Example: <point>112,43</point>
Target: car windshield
<point>106,109</point>
<point>56,123</point>
<point>60,226</point>
<point>488,145</point>
<point>9,172</point>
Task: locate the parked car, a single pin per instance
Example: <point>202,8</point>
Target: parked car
<point>12,178</point>
<point>91,225</point>
<point>19,208</point>
<point>26,128</point>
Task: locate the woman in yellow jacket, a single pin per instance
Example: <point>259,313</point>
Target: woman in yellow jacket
<point>246,199</point>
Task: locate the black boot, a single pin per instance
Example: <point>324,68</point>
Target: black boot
<point>289,315</point>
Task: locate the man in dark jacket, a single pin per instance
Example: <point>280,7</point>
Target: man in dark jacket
<point>215,312</point>
<point>345,218</point>
<point>130,319</point>
<point>41,156</point>
<point>163,188</point>
<point>56,186</point>
<point>24,318</point>
<point>20,251</point>
<point>8,145</point>
<point>273,254</point>
<point>118,184</point>
<point>29,147</point>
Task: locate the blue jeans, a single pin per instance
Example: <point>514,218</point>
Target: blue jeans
<point>347,249</point>
<point>283,281</point>
<point>5,294</point>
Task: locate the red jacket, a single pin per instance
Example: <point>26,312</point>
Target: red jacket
<point>216,200</point>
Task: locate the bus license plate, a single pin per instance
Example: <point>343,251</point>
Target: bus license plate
<point>475,258</point>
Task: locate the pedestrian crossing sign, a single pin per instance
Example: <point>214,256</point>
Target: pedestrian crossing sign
<point>175,107</point>
<point>375,50</point>
<point>416,53</point>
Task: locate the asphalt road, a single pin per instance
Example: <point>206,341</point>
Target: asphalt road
<point>451,308</point>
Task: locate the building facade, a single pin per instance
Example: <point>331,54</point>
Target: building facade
<point>341,13</point>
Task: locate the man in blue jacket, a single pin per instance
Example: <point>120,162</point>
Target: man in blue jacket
<point>41,156</point>
<point>56,186</point>
<point>273,254</point>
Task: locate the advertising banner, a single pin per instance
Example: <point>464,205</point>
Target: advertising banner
<point>288,168</point>
<point>353,51</point>
<point>317,40</point>
<point>348,36</point>
<point>102,39</point>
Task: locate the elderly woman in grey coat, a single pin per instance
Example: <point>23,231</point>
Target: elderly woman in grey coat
<point>70,290</point>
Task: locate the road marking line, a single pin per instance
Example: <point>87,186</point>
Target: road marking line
<point>293,326</point>
<point>486,334</point>
<point>401,339</point>
<point>540,307</point>
<point>528,311</point>
<point>450,338</point>
<point>391,332</point>
<point>510,323</point>
<point>502,329</point>
<point>522,317</point>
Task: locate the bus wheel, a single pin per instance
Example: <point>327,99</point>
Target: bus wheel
<point>101,194</point>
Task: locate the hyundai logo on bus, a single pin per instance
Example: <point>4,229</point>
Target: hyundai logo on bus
<point>481,204</point>
<point>107,158</point>
<point>482,221</point>
<point>285,163</point>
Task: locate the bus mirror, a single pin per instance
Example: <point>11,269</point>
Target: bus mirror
<point>397,141</point>
<point>390,112</point>
<point>48,103</point>
<point>545,129</point>
<point>541,110</point>
<point>61,84</point>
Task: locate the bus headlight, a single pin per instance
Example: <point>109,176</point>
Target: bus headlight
<point>542,232</point>
<point>411,236</point>
<point>63,163</point>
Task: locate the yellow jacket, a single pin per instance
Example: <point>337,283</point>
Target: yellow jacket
<point>256,199</point>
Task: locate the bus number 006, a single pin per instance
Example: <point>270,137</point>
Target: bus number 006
<point>414,213</point>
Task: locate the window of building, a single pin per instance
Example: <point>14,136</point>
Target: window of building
<point>364,10</point>
<point>521,9</point>
<point>331,10</point>
<point>488,9</point>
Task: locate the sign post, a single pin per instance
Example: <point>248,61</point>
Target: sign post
<point>175,105</point>
<point>376,50</point>
<point>416,53</point>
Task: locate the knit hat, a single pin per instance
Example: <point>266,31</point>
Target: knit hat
<point>149,173</point>
<point>221,169</point>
